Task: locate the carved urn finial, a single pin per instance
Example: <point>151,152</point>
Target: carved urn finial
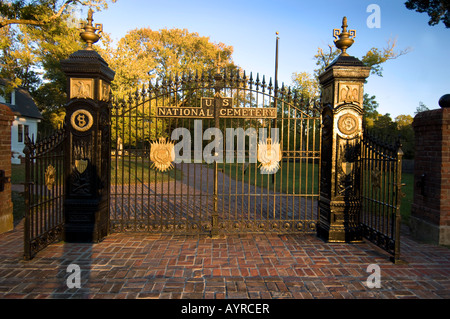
<point>90,33</point>
<point>344,38</point>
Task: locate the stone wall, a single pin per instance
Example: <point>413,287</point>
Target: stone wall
<point>430,211</point>
<point>6,207</point>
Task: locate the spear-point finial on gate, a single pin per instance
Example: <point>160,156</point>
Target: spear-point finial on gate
<point>219,63</point>
<point>90,33</point>
<point>344,38</point>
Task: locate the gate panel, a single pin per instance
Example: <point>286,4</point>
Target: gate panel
<point>44,192</point>
<point>282,202</point>
<point>143,198</point>
<point>193,194</point>
<point>381,193</point>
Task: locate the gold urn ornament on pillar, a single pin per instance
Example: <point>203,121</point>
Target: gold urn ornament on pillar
<point>90,33</point>
<point>344,38</point>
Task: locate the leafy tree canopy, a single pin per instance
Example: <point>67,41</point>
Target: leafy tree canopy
<point>437,10</point>
<point>307,85</point>
<point>35,36</point>
<point>374,58</point>
<point>144,54</point>
<point>421,108</point>
<point>41,12</point>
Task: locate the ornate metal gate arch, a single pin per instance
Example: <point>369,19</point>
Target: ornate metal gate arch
<point>217,197</point>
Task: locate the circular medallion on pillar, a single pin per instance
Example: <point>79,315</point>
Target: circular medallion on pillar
<point>348,124</point>
<point>82,120</point>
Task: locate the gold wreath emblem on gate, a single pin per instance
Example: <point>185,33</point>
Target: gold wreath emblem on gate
<point>50,177</point>
<point>162,154</point>
<point>269,156</point>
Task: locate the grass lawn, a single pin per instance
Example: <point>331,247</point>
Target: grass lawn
<point>131,171</point>
<point>128,171</point>
<point>291,178</point>
<point>17,173</point>
<point>285,181</point>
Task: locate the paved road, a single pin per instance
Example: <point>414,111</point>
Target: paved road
<point>237,266</point>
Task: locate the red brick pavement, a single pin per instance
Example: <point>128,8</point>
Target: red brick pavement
<point>237,266</point>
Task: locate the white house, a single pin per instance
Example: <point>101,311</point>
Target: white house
<point>26,119</point>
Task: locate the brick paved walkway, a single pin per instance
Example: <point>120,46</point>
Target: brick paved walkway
<point>238,266</point>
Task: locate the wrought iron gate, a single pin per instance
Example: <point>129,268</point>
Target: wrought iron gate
<point>44,192</point>
<point>381,193</point>
<point>219,196</point>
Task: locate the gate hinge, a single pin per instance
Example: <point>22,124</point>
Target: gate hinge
<point>3,180</point>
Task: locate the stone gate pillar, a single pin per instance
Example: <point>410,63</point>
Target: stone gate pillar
<point>6,205</point>
<point>342,85</point>
<point>87,153</point>
<point>430,211</point>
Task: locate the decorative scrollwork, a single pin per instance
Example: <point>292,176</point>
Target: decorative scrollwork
<point>50,177</point>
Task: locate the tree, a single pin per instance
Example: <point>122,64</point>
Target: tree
<point>406,134</point>
<point>370,109</point>
<point>374,58</point>
<point>437,10</point>
<point>41,12</point>
<point>144,54</point>
<point>34,37</point>
<point>306,85</point>
<point>383,125</point>
<point>30,57</point>
<point>28,30</point>
<point>55,43</point>
<point>403,121</point>
<point>421,108</point>
<point>324,59</point>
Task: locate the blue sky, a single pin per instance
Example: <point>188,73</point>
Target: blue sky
<point>422,75</point>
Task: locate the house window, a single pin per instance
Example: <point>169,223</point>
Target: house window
<point>5,97</point>
<point>20,133</point>
<point>8,98</point>
<point>26,130</point>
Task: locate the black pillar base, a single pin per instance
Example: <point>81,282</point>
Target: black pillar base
<point>339,234</point>
<point>339,222</point>
<point>82,222</point>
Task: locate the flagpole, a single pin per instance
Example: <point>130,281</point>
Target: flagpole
<point>275,95</point>
<point>276,77</point>
<point>276,66</point>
